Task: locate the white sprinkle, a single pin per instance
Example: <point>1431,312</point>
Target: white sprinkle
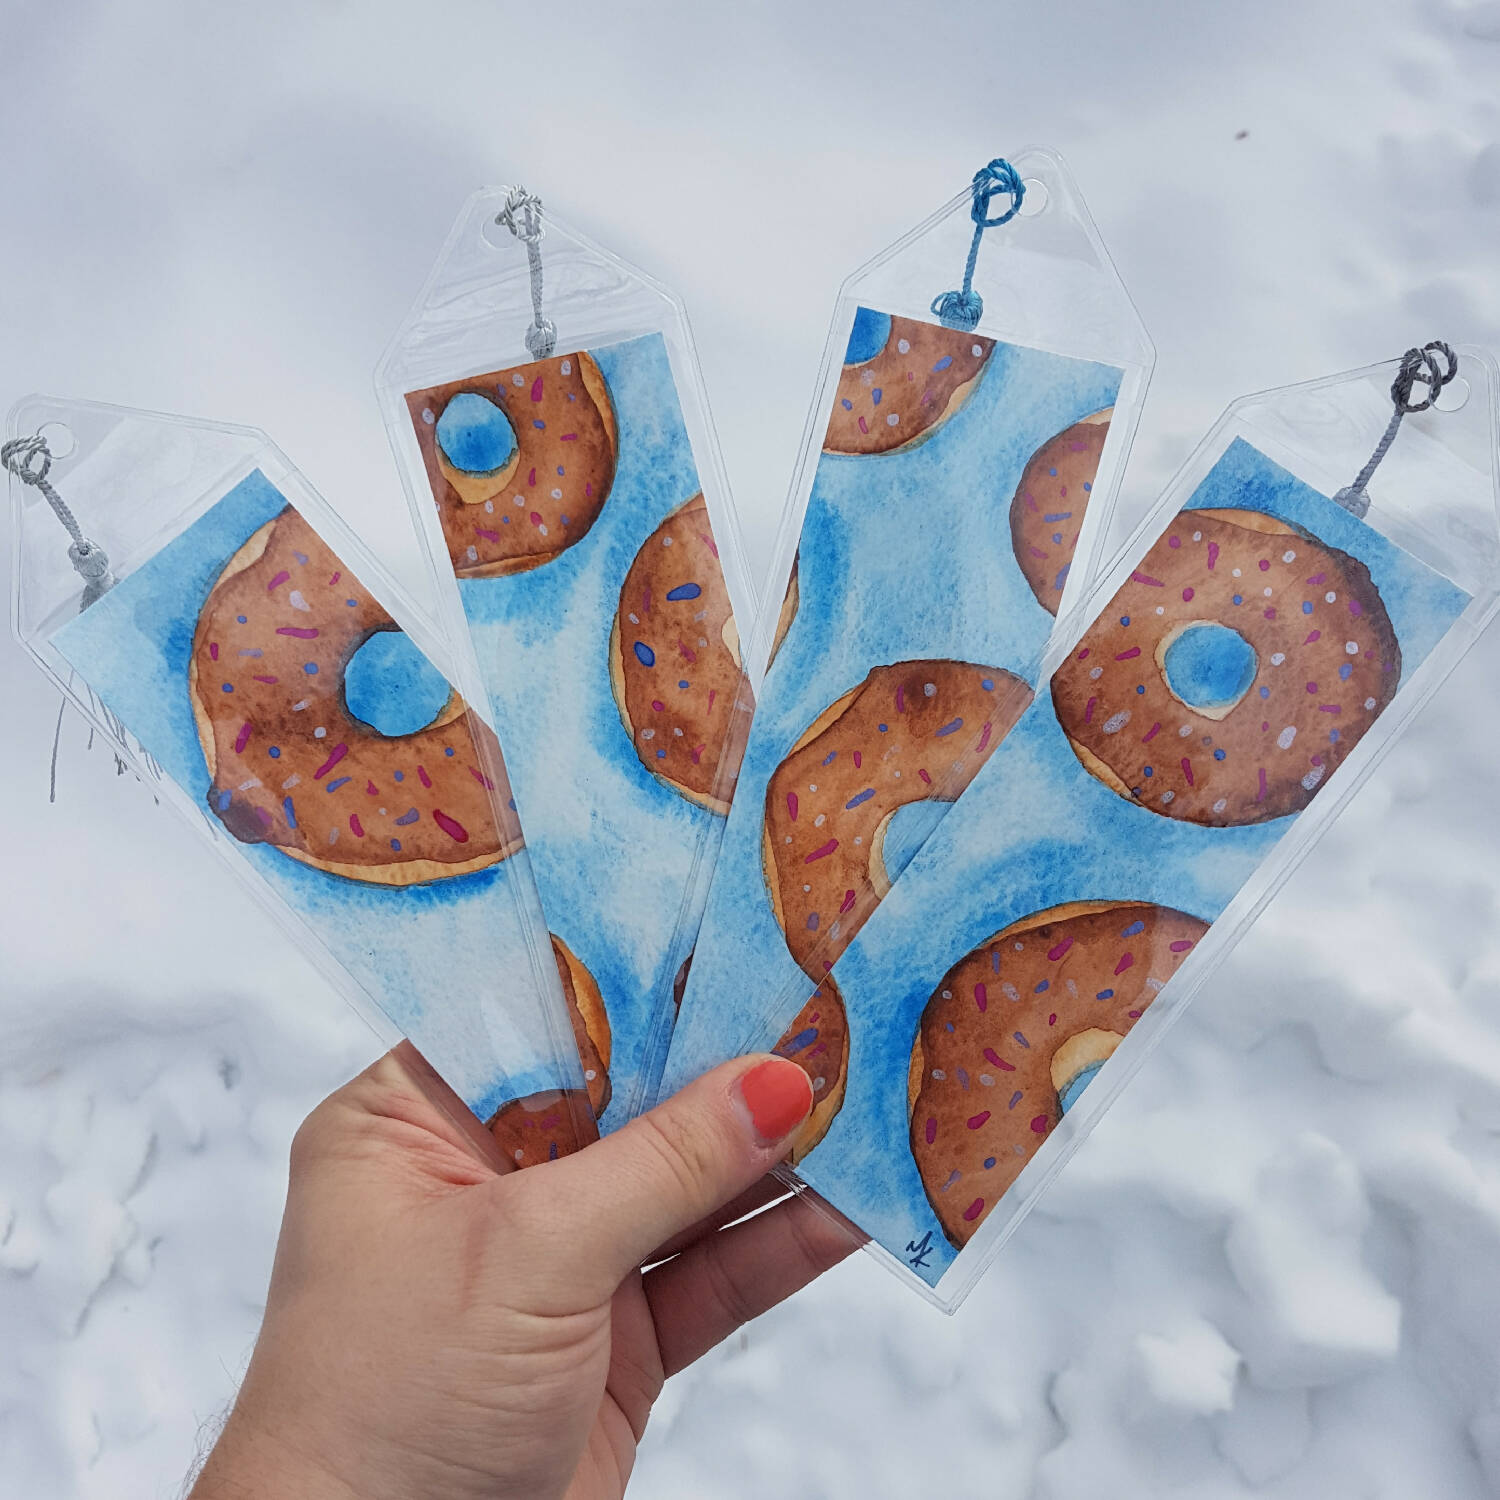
<point>1116,722</point>
<point>541,530</point>
<point>820,820</point>
<point>1166,797</point>
<point>1197,536</point>
<point>1156,986</point>
<point>298,707</point>
<point>812,786</point>
<point>1234,572</point>
<point>566,367</point>
<point>1313,777</point>
<point>892,419</point>
<point>428,415</point>
<point>929,689</point>
<point>1278,658</point>
<point>648,734</point>
<point>245,786</point>
<point>897,775</point>
<point>1161,609</point>
<point>1095,673</point>
<point>867,377</point>
<point>634,618</point>
<point>788,839</point>
<point>678,733</point>
<point>1267,591</point>
<point>701,615</point>
<point>333,835</point>
<point>557,494</point>
<point>319,732</point>
<point>489,505</point>
<point>977,350</point>
<point>519,1154</point>
<point>1221,804</point>
<point>296,600</point>
<point>520,500</point>
<point>859,838</point>
<point>986,1080</point>
<point>834,930</point>
<point>1352,647</point>
<point>290,782</point>
<point>938,1073</point>
<point>473,554</point>
<point>1185,731</point>
<point>666,541</point>
<point>702,640</point>
<point>518,379</point>
<point>1369,703</point>
<point>903,346</point>
<point>1287,735</point>
<point>1329,597</point>
<point>1288,556</point>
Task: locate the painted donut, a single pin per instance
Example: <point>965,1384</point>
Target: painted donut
<point>901,379</point>
<point>544,1126</point>
<point>818,1042</point>
<point>520,461</point>
<point>1014,1032</point>
<point>1047,512</point>
<point>1238,666</point>
<point>909,732</point>
<point>674,658</point>
<point>328,734</point>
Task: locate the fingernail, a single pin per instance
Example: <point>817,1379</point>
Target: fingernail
<point>778,1095</point>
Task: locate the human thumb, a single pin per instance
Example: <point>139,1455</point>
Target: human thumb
<point>657,1176</point>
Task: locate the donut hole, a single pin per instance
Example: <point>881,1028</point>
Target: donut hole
<point>391,687</point>
<point>900,834</point>
<point>1208,666</point>
<point>868,337</point>
<point>475,436</point>
<point>1076,1062</point>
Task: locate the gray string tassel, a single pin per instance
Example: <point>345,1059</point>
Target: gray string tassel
<point>30,460</point>
<point>1416,365</point>
<point>522,215</point>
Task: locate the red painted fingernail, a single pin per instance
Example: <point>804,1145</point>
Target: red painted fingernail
<point>778,1095</point>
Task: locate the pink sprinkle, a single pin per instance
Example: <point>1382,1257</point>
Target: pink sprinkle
<point>1316,635</point>
<point>1151,732</point>
<point>657,704</point>
<point>1088,711</point>
<point>489,536</point>
<point>1174,542</point>
<point>265,818</point>
<point>1039,1124</point>
<point>355,826</point>
<point>975,1121</point>
<point>536,389</point>
<point>1317,578</point>
<point>712,694</point>
<point>1213,555</point>
<point>981,996</point>
<point>687,653</point>
<point>863,425</point>
<point>1084,654</point>
<point>423,777</point>
<point>992,1056</point>
<point>1181,945</point>
<point>1187,770</point>
<point>531,478</point>
<point>1056,953</point>
<point>697,753</point>
<point>278,580</point>
<point>1052,1019</point>
<point>1354,608</point>
<point>536,519</point>
<point>931,1131</point>
<point>1330,708</point>
<point>708,541</point>
<point>451,826</point>
<point>568,437</point>
<point>901,698</point>
<point>269,681</point>
<point>299,632</point>
<point>334,579</point>
<point>1312,687</point>
<point>588,488</point>
<point>984,737</point>
<point>213,650</point>
<point>1186,595</point>
<point>1270,614</point>
<point>1031,504</point>
<point>791,806</point>
<point>334,757</point>
<point>974,1210</point>
<point>1265,565</point>
<point>847,903</point>
<point>1154,583</point>
<point>821,851</point>
<point>858,760</point>
<point>1126,655</point>
<point>242,738</point>
<point>1036,551</point>
<point>481,778</point>
<point>1260,796</point>
<point>371,790</point>
<point>921,771</point>
<point>1126,959</point>
<point>1134,1015</point>
<point>926,398</point>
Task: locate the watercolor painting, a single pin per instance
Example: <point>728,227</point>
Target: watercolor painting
<point>280,696</point>
<point>954,479</point>
<point>590,577</point>
<point>1096,845</point>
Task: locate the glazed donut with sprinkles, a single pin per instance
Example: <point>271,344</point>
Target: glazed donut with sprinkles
<point>328,734</point>
<point>1236,668</point>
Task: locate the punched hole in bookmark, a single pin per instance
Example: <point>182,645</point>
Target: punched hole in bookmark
<point>1454,396</point>
<point>1036,198</point>
<point>60,439</point>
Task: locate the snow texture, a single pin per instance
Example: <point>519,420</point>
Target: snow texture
<point>1296,1208</point>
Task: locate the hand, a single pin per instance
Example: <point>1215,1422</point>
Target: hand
<point>440,1326</point>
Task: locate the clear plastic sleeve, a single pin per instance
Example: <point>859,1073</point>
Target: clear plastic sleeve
<point>1206,712</point>
<point>574,511</point>
<point>254,664</point>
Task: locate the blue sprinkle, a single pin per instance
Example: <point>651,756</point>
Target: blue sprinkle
<point>683,591</point>
<point>291,817</point>
<point>988,684</point>
<point>644,654</point>
<point>408,817</point>
<point>682,682</point>
<point>882,727</point>
<point>224,800</point>
<point>859,797</point>
<point>448,750</point>
<point>1239,598</point>
<point>949,727</point>
<point>830,757</point>
<point>1148,771</point>
<point>1218,755</point>
<point>1134,930</point>
<point>875,396</point>
<point>511,804</point>
<point>274,752</point>
<point>812,922</point>
<point>1105,995</point>
<point>1307,606</point>
<point>661,755</point>
<point>1140,687</point>
<point>400,775</point>
<point>989,1162</point>
<point>311,668</point>
<point>1088,484</point>
<point>333,786</point>
<point>505,520</point>
<point>241,619</point>
<point>351,602</point>
<point>1265,692</point>
<point>1124,619</point>
<point>1062,575</point>
<point>943,364</point>
<point>396,845</point>
<point>538,424</point>
<point>1052,472</point>
<point>228,687</point>
<point>1058,515</point>
<point>804,1038</point>
<point>1041,987</point>
<point>1333,736</point>
<point>1057,536</point>
<point>1346,669</point>
<point>847,404</point>
<point>552,1145</point>
<point>559,471</point>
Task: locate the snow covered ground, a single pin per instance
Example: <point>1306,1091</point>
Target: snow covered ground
<point>1271,1271</point>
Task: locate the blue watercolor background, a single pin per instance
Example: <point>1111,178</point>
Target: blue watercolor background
<point>1035,830</point>
<point>902,556</point>
<point>447,962</point>
<point>611,844</point>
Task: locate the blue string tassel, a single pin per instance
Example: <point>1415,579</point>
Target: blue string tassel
<point>963,308</point>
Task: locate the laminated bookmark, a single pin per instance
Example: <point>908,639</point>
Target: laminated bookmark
<point>545,408</point>
<point>213,619</point>
<point>964,452</point>
<point>1205,714</point>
